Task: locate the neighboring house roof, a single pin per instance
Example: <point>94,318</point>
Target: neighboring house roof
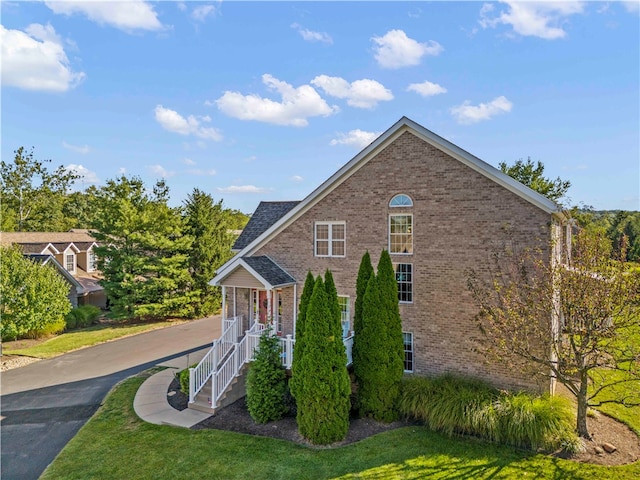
<point>8,238</point>
<point>264,217</point>
<point>50,260</point>
<point>400,127</point>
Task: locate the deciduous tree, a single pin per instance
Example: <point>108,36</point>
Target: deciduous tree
<point>32,295</point>
<point>592,347</point>
<point>532,176</point>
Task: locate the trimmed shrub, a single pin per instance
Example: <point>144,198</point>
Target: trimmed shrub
<point>266,382</point>
<point>322,397</point>
<point>53,328</point>
<point>82,316</point>
<point>183,376</point>
<point>71,319</point>
<point>298,351</point>
<point>365,271</point>
<point>455,405</point>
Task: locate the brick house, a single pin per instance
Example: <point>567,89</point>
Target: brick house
<point>438,210</point>
<point>72,254</point>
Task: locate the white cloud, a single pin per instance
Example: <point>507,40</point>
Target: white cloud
<point>632,6</point>
<point>127,16</point>
<point>86,175</point>
<point>361,93</point>
<point>182,6</point>
<point>297,105</point>
<point>426,89</point>
<point>543,19</point>
<point>311,36</point>
<point>201,173</point>
<point>160,171</point>
<point>83,149</point>
<point>243,189</point>
<point>296,178</point>
<point>122,171</point>
<point>467,114</point>
<point>201,13</point>
<point>396,50</point>
<point>36,60</point>
<point>174,122</point>
<point>188,161</point>
<point>355,138</point>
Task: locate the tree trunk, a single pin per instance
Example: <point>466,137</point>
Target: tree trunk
<point>582,407</point>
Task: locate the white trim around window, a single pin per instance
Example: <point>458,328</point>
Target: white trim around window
<point>330,239</point>
<point>401,234</point>
<point>404,277</point>
<point>407,339</point>
<point>70,261</point>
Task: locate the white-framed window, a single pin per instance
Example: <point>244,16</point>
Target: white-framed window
<point>279,312</point>
<point>330,239</point>
<point>408,351</point>
<point>70,261</point>
<point>401,234</point>
<point>92,261</point>
<point>401,200</point>
<point>345,307</point>
<point>404,277</point>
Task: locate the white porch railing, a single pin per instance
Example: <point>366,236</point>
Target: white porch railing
<point>227,356</point>
<point>286,350</point>
<point>221,347</point>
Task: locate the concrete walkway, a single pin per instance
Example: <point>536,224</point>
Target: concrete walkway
<point>150,402</point>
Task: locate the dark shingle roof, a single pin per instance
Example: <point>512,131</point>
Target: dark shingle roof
<point>265,215</point>
<point>269,270</point>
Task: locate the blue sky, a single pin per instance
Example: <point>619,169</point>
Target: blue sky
<point>264,101</point>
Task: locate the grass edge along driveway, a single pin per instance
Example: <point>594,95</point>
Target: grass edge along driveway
<point>115,443</point>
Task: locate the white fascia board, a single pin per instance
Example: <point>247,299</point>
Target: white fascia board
<point>73,247</point>
<point>241,263</point>
<point>51,248</point>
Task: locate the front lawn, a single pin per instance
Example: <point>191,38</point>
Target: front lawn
<point>115,443</point>
<point>77,339</point>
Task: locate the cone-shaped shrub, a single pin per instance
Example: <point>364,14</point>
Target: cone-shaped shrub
<point>298,349</point>
<point>364,273</point>
<point>323,389</point>
<point>266,382</point>
<point>379,363</point>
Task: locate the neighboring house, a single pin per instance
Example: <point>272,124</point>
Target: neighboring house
<point>75,289</point>
<point>439,210</point>
<point>73,252</point>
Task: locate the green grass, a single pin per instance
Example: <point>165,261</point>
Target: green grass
<point>115,443</point>
<point>82,338</point>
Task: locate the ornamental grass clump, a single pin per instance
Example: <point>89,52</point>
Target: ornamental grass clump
<point>455,405</point>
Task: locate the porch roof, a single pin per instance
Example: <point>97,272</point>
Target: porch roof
<point>262,268</point>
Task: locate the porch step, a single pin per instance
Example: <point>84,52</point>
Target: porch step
<point>234,392</point>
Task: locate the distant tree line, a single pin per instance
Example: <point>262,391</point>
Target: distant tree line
<point>157,260</point>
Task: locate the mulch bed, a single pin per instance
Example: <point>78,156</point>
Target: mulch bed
<point>236,418</point>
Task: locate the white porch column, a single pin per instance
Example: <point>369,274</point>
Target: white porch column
<point>295,308</point>
<point>235,300</point>
<point>269,309</point>
<point>224,303</point>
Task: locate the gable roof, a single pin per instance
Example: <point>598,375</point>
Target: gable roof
<point>262,268</point>
<point>400,127</point>
<point>45,259</point>
<point>265,215</point>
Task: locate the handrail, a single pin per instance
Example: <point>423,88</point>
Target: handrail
<point>199,374</point>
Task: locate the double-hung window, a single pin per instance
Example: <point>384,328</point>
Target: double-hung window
<point>330,239</point>
<point>408,351</point>
<point>92,261</point>
<point>401,234</point>
<point>404,277</point>
<point>70,262</point>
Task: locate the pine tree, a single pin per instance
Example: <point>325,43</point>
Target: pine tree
<point>364,273</point>
<point>323,399</point>
<point>298,348</point>
<point>266,382</point>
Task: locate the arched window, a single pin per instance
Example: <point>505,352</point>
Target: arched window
<point>401,200</point>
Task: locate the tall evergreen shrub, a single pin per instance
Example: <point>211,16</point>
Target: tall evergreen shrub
<point>379,363</point>
<point>323,393</point>
<point>266,382</point>
<point>298,349</point>
<point>364,273</point>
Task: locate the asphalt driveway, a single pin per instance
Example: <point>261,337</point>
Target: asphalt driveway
<point>44,404</point>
